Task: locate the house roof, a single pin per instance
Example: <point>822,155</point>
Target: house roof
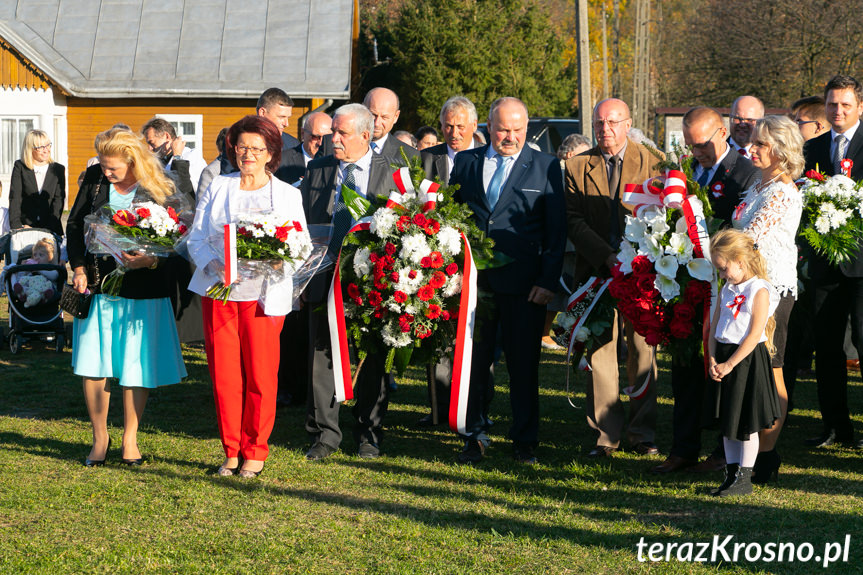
<point>185,48</point>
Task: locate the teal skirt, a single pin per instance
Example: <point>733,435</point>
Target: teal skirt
<point>133,340</point>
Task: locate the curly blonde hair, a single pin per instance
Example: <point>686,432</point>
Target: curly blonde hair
<point>786,144</point>
<point>133,150</point>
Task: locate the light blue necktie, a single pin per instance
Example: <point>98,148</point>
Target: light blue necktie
<point>496,183</point>
<point>374,146</point>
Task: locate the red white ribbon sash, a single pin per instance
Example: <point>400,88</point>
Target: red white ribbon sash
<point>592,283</point>
<point>230,253</point>
<point>427,193</point>
<point>671,194</point>
<point>461,365</point>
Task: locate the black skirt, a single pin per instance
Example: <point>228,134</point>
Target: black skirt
<point>745,401</point>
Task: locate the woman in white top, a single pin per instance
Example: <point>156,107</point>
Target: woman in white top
<point>770,214</point>
<point>242,342</point>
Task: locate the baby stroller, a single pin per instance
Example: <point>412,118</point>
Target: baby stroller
<point>43,320</point>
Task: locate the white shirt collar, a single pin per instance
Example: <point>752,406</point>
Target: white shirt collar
<point>379,144</point>
<point>364,163</point>
<point>491,153</point>
<point>451,153</point>
<point>306,155</point>
<point>849,133</point>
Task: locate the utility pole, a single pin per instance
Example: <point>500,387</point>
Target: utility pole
<point>585,106</point>
<point>604,53</point>
<point>641,77</point>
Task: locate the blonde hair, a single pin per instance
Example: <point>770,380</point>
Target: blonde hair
<point>32,140</point>
<point>46,245</point>
<point>783,136</point>
<point>736,246</point>
<point>132,149</point>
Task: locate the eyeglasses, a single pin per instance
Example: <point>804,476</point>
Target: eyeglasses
<point>43,147</point>
<point>598,124</point>
<point>703,145</point>
<point>252,150</point>
<point>742,120</point>
<point>801,123</point>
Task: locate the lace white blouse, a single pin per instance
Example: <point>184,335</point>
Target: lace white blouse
<point>771,217</point>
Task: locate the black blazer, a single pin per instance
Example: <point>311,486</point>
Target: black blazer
<point>293,165</point>
<point>735,174</point>
<point>318,190</point>
<point>528,223</point>
<point>435,163</point>
<point>817,155</point>
<point>391,150</point>
<point>138,284</point>
<point>29,206</point>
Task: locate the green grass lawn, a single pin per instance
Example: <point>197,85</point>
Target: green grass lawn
<point>412,511</point>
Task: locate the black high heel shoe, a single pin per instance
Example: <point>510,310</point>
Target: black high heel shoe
<point>766,467</point>
<point>98,462</point>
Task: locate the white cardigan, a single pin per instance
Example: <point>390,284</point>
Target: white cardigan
<point>222,203</point>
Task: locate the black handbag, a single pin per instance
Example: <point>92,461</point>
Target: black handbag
<point>75,303</point>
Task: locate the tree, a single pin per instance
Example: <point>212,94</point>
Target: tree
<point>482,49</point>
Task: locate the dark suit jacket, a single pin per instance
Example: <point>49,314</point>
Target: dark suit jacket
<point>736,174</point>
<point>318,191</point>
<point>588,204</point>
<point>391,150</point>
<point>527,223</point>
<point>29,206</point>
<point>435,163</point>
<point>293,165</point>
<point>817,154</point>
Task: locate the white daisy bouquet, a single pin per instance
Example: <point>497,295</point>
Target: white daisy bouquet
<point>832,215</point>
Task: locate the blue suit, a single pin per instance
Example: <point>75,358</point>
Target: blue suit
<point>528,224</point>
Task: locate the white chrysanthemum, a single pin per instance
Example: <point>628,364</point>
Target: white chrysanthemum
<point>408,285</point>
<point>625,256</point>
<point>393,336</point>
<point>450,241</point>
<point>680,246</point>
<point>668,287</point>
<point>383,222</point>
<point>582,334</point>
<point>453,286</point>
<point>635,229</point>
<point>411,308</point>
<point>700,269</point>
<point>299,244</point>
<point>393,306</point>
<point>414,248</point>
<point>649,246</point>
<point>362,263</point>
<point>667,266</point>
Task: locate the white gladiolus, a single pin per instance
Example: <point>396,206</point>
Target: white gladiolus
<point>700,269</point>
<point>667,266</point>
<point>635,229</point>
<point>650,247</point>
<point>668,287</point>
<point>680,246</point>
<point>625,256</point>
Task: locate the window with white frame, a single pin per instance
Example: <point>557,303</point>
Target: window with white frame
<point>189,127</point>
<point>12,132</point>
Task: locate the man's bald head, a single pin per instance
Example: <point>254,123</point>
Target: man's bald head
<point>383,103</point>
<point>745,111</point>
<point>315,127</point>
<point>705,133</point>
<point>611,123</point>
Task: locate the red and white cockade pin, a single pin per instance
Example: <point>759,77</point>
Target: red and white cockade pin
<point>738,211</point>
<point>718,189</point>
<point>845,166</point>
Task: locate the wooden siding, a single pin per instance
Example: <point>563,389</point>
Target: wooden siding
<point>18,72</point>
<point>88,117</point>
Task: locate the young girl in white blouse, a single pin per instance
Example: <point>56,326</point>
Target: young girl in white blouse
<point>744,398</point>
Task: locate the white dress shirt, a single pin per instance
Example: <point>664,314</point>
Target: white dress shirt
<point>450,157</point>
<point>849,133</point>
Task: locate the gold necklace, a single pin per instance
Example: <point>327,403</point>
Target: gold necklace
<point>763,185</point>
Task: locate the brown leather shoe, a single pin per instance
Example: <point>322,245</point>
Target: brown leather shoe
<point>673,463</point>
<point>712,463</point>
<point>601,451</point>
<point>853,364</point>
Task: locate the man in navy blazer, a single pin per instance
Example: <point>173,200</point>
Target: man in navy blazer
<point>516,195</point>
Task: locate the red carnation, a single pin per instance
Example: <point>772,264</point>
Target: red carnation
<point>353,291</point>
<point>425,293</point>
<point>451,269</point>
<point>144,213</point>
<point>375,298</point>
<point>420,220</point>
<point>436,259</point>
<point>241,231</point>
<point>400,296</point>
<point>412,274</point>
<point>437,280</point>
<point>282,233</point>
<point>445,315</point>
<point>422,331</point>
<point>403,223</point>
<point>125,218</point>
<point>390,248</point>
<point>379,313</point>
<point>433,311</point>
<point>373,257</point>
<point>380,283</point>
<point>432,227</point>
<point>426,262</point>
<point>358,301</point>
<point>183,229</point>
<point>394,277</point>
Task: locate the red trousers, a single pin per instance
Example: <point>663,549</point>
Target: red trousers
<point>243,356</point>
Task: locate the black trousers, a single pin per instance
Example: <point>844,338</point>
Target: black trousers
<point>835,301</point>
<point>521,323</point>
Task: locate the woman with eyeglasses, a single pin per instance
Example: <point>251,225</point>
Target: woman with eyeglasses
<point>37,192</point>
<point>242,343</point>
<point>770,213</point>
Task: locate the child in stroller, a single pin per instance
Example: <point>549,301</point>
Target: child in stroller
<point>32,262</point>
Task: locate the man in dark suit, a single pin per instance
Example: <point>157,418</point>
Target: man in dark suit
<point>276,106</point>
<point>458,120</point>
<point>595,181</point>
<point>369,174</point>
<point>838,288</point>
<point>316,127</point>
<point>745,111</point>
<point>727,175</point>
<point>383,103</point>
<point>516,195</point>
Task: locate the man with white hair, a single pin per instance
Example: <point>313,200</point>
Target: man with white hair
<point>354,165</point>
<point>745,111</point>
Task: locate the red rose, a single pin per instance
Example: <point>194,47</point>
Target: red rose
<point>298,226</point>
<point>451,269</point>
<point>653,338</point>
<point>425,262</point>
<point>645,285</point>
<point>684,312</point>
<point>400,296</point>
<point>375,298</point>
<point>353,291</point>
<point>390,248</point>
<point>143,213</point>
<point>615,271</point>
<point>641,265</point>
<point>282,233</point>
<point>183,229</point>
<point>445,315</point>
<point>358,301</point>
<point>425,293</point>
<point>437,280</point>
<point>680,329</point>
<point>433,311</point>
<point>125,218</point>
<point>436,259</point>
<point>420,220</point>
<point>412,274</point>
<point>432,227</point>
